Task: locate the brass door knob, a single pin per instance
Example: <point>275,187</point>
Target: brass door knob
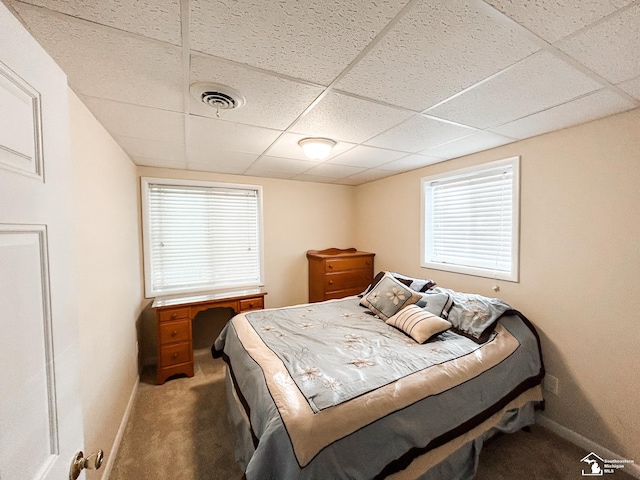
<point>79,463</point>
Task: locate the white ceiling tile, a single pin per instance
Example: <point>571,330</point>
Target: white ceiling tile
<point>632,87</point>
<point>342,117</point>
<point>287,147</point>
<point>534,84</point>
<point>436,50</point>
<point>219,161</point>
<point>590,107</point>
<point>364,177</point>
<point>410,162</point>
<point>107,63</point>
<point>610,48</point>
<point>256,172</point>
<point>553,19</point>
<point>282,165</point>
<point>314,41</point>
<point>158,19</point>
<point>137,121</point>
<point>154,162</point>
<point>314,178</point>
<point>367,157</point>
<point>418,133</point>
<point>467,145</point>
<point>271,101</point>
<point>218,135</point>
<point>143,147</point>
<point>332,170</point>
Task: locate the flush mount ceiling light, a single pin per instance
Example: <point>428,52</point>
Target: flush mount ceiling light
<point>316,148</point>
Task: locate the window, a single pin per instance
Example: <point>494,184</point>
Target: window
<point>471,220</point>
<point>200,236</point>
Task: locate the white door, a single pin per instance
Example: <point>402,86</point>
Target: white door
<point>40,411</point>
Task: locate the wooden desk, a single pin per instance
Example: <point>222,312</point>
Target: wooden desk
<point>173,318</point>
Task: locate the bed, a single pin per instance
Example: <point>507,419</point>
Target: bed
<point>337,390</point>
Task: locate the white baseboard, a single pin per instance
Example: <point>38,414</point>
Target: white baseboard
<point>632,469</point>
<point>116,442</point>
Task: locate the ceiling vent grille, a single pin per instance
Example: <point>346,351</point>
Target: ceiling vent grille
<point>217,96</point>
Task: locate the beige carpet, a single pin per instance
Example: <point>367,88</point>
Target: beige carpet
<point>180,431</point>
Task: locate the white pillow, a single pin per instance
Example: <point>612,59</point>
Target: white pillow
<point>418,323</point>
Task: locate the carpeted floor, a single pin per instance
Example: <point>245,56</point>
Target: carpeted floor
<point>180,431</point>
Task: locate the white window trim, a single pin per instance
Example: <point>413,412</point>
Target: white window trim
<point>144,188</point>
<point>512,276</point>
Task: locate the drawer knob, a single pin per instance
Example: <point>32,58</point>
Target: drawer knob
<point>175,355</point>
<point>330,282</point>
<point>330,265</point>
<point>174,315</point>
<point>250,305</point>
<point>367,263</point>
<point>174,333</point>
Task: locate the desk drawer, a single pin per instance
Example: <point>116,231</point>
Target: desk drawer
<point>174,314</point>
<point>341,264</point>
<point>251,304</point>
<point>175,354</point>
<point>172,332</point>
<point>347,280</point>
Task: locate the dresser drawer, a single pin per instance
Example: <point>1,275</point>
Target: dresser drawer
<point>341,264</point>
<point>172,332</point>
<point>251,304</point>
<point>174,314</point>
<point>343,293</point>
<point>347,280</point>
<point>174,354</point>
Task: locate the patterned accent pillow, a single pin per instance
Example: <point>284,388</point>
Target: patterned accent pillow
<point>377,279</point>
<point>418,323</point>
<point>417,284</point>
<point>436,303</point>
<point>388,297</point>
<point>473,314</point>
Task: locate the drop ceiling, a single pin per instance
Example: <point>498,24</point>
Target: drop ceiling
<point>397,84</point>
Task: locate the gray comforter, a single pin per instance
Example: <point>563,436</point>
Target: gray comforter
<point>332,392</point>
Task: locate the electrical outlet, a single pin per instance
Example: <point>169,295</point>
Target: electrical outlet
<point>551,384</point>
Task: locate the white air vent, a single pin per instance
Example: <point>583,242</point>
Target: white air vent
<point>217,96</point>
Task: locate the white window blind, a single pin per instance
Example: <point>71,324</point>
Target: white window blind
<point>201,237</point>
<point>471,220</point>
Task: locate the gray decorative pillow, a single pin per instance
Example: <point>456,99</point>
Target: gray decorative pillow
<point>474,314</point>
<point>417,284</point>
<point>379,276</point>
<point>437,303</point>
<point>389,296</point>
<point>418,323</point>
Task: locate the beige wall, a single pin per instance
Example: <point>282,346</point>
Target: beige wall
<point>579,264</point>
<point>298,216</point>
<point>109,273</point>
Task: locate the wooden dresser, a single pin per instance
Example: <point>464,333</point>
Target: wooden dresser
<point>174,316</point>
<point>336,273</point>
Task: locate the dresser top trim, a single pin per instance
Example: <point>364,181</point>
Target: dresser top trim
<point>336,252</point>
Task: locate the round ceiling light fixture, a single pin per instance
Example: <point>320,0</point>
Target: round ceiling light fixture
<point>316,148</point>
<point>217,96</point>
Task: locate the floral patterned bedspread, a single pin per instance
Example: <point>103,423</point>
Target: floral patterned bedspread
<point>304,379</point>
<point>335,351</point>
